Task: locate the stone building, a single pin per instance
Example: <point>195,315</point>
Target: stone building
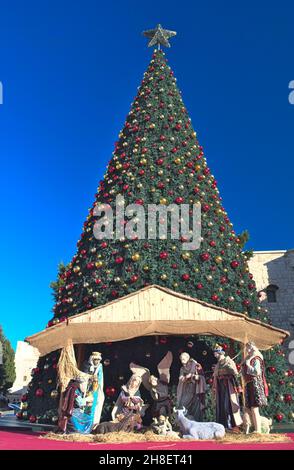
<point>26,358</point>
<point>273,272</point>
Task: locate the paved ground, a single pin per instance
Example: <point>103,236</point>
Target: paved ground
<point>16,440</point>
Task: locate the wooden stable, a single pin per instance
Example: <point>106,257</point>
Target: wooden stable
<point>154,310</point>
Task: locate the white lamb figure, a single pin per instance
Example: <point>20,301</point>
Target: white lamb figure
<point>266,423</point>
<point>194,430</point>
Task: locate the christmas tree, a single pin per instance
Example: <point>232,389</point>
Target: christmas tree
<point>157,160</point>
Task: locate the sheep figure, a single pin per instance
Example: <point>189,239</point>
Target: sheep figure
<point>194,430</point>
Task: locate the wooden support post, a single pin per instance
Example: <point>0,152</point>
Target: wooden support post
<point>80,355</point>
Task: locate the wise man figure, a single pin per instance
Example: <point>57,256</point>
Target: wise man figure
<point>191,387</point>
<point>226,389</point>
<point>93,367</point>
<point>256,388</point>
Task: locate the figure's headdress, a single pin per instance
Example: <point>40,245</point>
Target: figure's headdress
<point>96,355</point>
<point>218,349</point>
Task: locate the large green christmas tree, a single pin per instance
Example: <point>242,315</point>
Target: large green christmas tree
<point>158,160</point>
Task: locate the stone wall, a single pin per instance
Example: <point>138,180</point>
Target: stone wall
<point>276,268</point>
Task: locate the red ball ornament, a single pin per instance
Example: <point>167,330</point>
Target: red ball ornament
<point>163,255</point>
<point>163,340</point>
<point>185,277</point>
<point>199,286</point>
<point>119,260</point>
<point>271,369</point>
<point>39,392</point>
<point>205,256</point>
<point>288,398</point>
<point>205,208</point>
<point>110,391</point>
<point>214,297</point>
<point>279,417</point>
<point>234,264</point>
<point>32,419</point>
<point>179,200</point>
<point>134,278</point>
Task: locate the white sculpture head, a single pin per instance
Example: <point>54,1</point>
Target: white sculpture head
<point>184,358</point>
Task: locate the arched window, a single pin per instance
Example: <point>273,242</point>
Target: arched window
<point>271,293</point>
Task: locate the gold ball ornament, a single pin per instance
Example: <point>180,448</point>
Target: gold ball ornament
<point>54,394</point>
<point>186,255</point>
<point>135,257</point>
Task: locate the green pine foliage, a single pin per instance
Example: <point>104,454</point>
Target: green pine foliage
<point>158,160</point>
<point>7,369</point>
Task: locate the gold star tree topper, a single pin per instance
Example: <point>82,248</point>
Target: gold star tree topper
<point>159,36</point>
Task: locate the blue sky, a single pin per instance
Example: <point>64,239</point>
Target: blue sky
<point>70,70</point>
